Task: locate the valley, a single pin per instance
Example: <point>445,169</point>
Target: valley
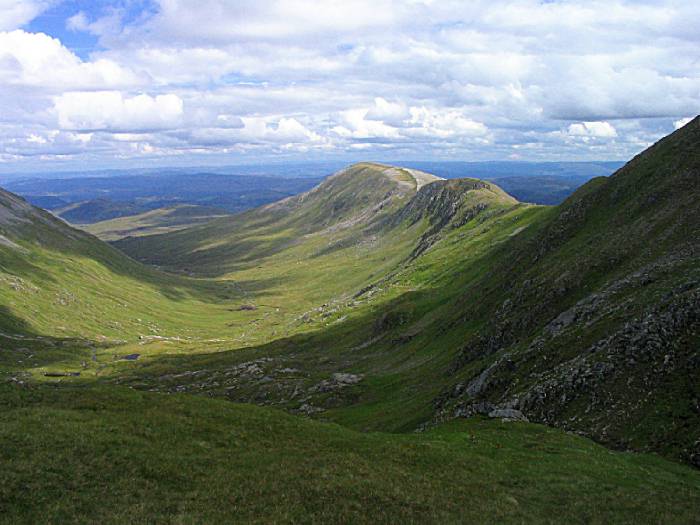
<point>434,340</point>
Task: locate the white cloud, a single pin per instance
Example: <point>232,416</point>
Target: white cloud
<point>392,113</point>
<point>445,123</point>
<point>78,22</point>
<point>111,111</point>
<point>592,129</point>
<point>285,130</point>
<point>222,21</point>
<point>16,13</point>
<point>37,60</point>
<point>678,124</point>
<point>420,78</point>
<point>355,125</point>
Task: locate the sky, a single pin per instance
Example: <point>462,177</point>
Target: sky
<point>97,84</point>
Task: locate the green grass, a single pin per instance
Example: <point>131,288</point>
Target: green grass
<point>111,455</point>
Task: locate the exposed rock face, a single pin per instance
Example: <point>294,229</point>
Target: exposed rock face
<point>606,387</point>
<point>448,203</point>
<point>507,414</point>
<point>337,382</point>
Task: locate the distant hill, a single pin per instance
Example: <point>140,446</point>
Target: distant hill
<point>87,212</point>
<point>91,199</point>
<point>239,188</point>
<point>494,170</point>
<point>364,200</point>
<point>161,220</point>
<point>536,182</point>
<point>545,189</point>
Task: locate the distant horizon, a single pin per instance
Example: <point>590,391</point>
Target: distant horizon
<point>331,164</point>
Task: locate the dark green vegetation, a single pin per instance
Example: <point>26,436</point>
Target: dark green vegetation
<point>111,455</point>
<point>384,300</point>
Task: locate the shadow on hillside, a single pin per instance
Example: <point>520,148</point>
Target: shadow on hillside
<point>386,344</point>
<point>22,348</point>
<point>70,255</point>
<point>212,262</point>
<point>11,324</point>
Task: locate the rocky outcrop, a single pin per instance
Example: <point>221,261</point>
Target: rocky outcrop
<point>263,381</point>
<point>605,387</point>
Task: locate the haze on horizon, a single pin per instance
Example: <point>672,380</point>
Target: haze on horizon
<point>177,82</point>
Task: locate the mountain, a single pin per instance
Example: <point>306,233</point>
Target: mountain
<point>149,191</point>
<point>421,321</point>
<point>593,321</point>
<point>536,182</point>
<point>96,210</point>
<point>582,316</point>
<point>363,205</point>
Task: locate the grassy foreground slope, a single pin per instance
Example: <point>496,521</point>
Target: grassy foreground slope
<point>114,456</point>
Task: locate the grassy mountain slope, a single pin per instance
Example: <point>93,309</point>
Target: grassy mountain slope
<point>116,456</point>
<point>152,222</point>
<point>333,211</point>
<point>595,327</point>
<point>78,287</point>
<point>382,300</point>
<point>59,282</point>
<point>582,316</point>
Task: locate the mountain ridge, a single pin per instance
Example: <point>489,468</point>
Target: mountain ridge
<point>364,196</point>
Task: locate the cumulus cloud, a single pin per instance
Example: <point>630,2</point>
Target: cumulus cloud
<point>285,130</point>
<point>38,60</point>
<point>354,124</point>
<point>16,13</point>
<point>445,123</point>
<point>592,129</point>
<point>111,111</point>
<point>392,113</point>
